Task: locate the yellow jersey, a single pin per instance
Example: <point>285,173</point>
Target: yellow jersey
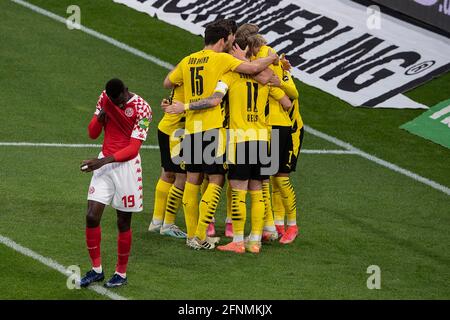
<point>200,72</point>
<point>276,115</point>
<point>172,122</point>
<point>247,100</point>
<point>294,112</point>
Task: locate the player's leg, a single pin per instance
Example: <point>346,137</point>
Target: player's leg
<point>270,232</point>
<point>277,208</point>
<point>282,135</point>
<point>191,201</point>
<point>124,240</point>
<point>162,190</point>
<point>283,184</point>
<point>238,193</point>
<point>164,183</point>
<point>101,192</point>
<point>208,204</point>
<point>215,170</point>
<point>128,198</point>
<point>228,220</point>
<point>211,231</point>
<point>93,240</point>
<point>173,203</point>
<point>257,212</point>
<point>289,198</point>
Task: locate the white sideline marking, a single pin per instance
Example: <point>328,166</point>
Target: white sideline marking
<point>73,145</point>
<point>56,266</point>
<point>317,133</point>
<point>379,161</point>
<point>61,145</point>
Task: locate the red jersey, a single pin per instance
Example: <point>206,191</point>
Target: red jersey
<point>122,124</point>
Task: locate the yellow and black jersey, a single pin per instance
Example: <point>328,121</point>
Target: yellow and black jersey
<point>172,122</point>
<point>276,115</point>
<point>247,100</point>
<point>200,72</point>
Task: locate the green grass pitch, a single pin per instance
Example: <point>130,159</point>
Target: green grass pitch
<point>353,213</point>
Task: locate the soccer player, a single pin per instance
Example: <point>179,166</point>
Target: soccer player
<point>287,123</point>
<point>170,186</point>
<point>248,138</point>
<point>117,178</point>
<point>199,72</point>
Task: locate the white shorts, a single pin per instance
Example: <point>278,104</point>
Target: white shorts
<point>118,184</point>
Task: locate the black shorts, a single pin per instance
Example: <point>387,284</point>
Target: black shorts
<point>201,152</point>
<point>289,145</point>
<point>166,159</point>
<point>247,163</point>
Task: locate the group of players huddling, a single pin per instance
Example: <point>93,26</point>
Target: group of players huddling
<point>233,111</point>
<point>235,90</point>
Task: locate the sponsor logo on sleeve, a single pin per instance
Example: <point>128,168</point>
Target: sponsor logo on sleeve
<point>144,123</point>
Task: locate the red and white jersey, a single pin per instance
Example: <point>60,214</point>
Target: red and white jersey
<point>122,124</point>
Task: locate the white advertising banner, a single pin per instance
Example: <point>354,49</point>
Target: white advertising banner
<point>349,50</point>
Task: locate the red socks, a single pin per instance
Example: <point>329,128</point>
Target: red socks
<point>123,250</point>
<point>93,239</point>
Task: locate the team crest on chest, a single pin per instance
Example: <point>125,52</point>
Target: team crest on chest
<point>129,112</point>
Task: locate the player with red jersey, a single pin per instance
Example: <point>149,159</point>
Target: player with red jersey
<point>117,178</point>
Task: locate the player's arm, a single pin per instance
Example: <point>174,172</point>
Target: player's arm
<point>98,119</point>
<point>174,78</point>
<point>285,102</point>
<point>257,65</point>
<point>288,86</point>
<point>125,154</point>
<point>178,107</point>
<point>129,152</point>
<point>281,97</point>
<point>267,76</point>
<point>209,102</point>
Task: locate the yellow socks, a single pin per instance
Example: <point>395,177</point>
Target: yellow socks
<point>277,203</point>
<point>208,206</point>
<point>268,213</point>
<point>190,206</point>
<point>257,210</point>
<point>288,198</point>
<point>161,193</point>
<point>229,218</point>
<point>173,203</point>
<point>238,213</point>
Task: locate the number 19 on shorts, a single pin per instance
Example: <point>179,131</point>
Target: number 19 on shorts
<point>128,201</point>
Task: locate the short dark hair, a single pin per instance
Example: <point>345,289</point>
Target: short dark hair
<point>214,32</point>
<point>229,24</point>
<point>114,88</point>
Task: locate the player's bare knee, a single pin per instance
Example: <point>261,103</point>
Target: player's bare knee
<point>168,176</point>
<point>123,221</point>
<point>217,179</point>
<point>92,219</point>
<point>180,180</point>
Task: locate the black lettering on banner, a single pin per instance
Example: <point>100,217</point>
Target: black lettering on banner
<point>298,37</point>
<point>331,54</point>
<point>347,66</point>
<point>277,20</point>
<point>264,11</point>
<point>172,7</point>
<point>315,46</point>
<point>349,83</point>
